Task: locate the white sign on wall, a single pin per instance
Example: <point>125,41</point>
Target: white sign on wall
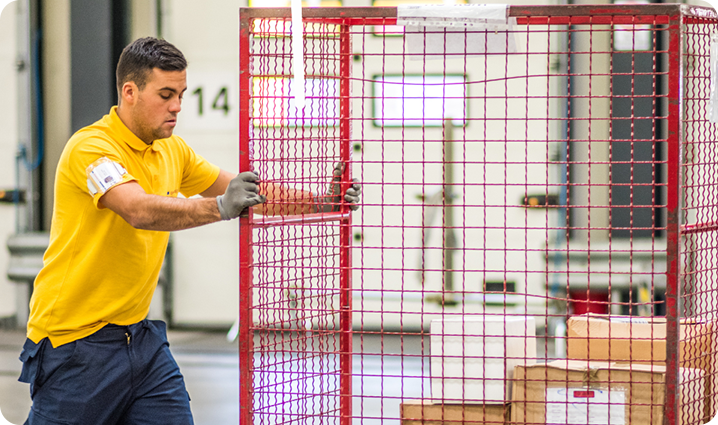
<point>211,101</point>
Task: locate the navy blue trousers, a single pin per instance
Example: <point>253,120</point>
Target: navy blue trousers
<point>120,375</point>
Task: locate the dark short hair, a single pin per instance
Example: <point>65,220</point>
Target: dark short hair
<point>142,55</point>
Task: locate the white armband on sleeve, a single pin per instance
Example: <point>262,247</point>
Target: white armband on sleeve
<point>103,174</point>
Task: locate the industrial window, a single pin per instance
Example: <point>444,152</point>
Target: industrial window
<point>274,103</point>
<point>416,101</point>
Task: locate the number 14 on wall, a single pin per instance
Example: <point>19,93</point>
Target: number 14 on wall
<point>220,102</point>
<point>210,102</point>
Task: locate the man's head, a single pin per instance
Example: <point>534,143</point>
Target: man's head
<point>151,80</point>
<point>142,55</point>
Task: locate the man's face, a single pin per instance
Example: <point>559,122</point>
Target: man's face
<point>155,113</point>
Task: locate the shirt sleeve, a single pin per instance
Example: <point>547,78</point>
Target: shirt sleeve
<point>85,153</point>
<point>198,174</point>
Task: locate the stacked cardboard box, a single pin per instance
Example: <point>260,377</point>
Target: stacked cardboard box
<point>428,413</point>
<point>472,361</point>
<point>615,374</point>
<point>473,358</point>
<point>579,392</point>
<point>642,340</point>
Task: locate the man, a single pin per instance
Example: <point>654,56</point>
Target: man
<point>91,357</point>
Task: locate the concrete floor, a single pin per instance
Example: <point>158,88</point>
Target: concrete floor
<point>391,369</point>
<point>208,362</point>
<point>210,366</point>
<point>299,383</point>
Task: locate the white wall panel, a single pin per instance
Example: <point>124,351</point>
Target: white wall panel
<point>8,147</point>
<point>206,260</point>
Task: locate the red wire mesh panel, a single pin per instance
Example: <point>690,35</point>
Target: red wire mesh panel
<point>536,236</point>
<point>299,247</point>
<point>698,213</point>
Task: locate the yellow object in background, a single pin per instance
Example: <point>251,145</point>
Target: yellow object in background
<point>644,300</point>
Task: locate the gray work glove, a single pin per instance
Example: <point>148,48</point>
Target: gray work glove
<point>353,194</point>
<point>333,196</point>
<point>241,193</point>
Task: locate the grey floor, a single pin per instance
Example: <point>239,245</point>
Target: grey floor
<point>210,366</point>
<point>299,382</point>
<point>288,385</point>
<point>209,363</point>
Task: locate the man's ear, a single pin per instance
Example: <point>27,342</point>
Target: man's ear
<point>129,93</point>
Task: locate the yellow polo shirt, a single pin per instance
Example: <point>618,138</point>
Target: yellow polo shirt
<point>98,269</point>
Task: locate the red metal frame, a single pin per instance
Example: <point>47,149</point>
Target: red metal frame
<point>245,336</point>
<point>675,114</point>
<point>300,345</point>
<point>345,239</point>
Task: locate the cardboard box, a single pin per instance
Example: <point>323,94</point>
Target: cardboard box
<point>623,338</point>
<point>473,357</point>
<point>643,340</point>
<point>427,413</point>
<point>571,392</point>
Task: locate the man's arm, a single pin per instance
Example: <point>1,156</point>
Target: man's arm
<point>293,201</point>
<point>153,212</point>
<point>296,202</point>
<point>220,185</point>
<point>272,191</point>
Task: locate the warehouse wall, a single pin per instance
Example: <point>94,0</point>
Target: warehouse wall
<point>206,259</point>
<point>208,37</point>
<point>206,266</point>
<point>8,146</point>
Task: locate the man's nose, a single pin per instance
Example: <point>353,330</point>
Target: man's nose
<point>176,105</point>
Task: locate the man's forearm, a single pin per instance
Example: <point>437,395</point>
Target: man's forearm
<point>168,214</point>
<point>154,212</point>
<point>287,201</point>
<point>284,201</point>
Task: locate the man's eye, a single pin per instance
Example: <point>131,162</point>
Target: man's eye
<point>165,96</point>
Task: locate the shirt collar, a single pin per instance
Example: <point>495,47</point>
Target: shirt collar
<point>127,136</point>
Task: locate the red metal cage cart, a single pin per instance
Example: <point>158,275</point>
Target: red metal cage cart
<point>537,235</point>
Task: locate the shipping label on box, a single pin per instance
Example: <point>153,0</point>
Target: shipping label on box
<point>584,405</point>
